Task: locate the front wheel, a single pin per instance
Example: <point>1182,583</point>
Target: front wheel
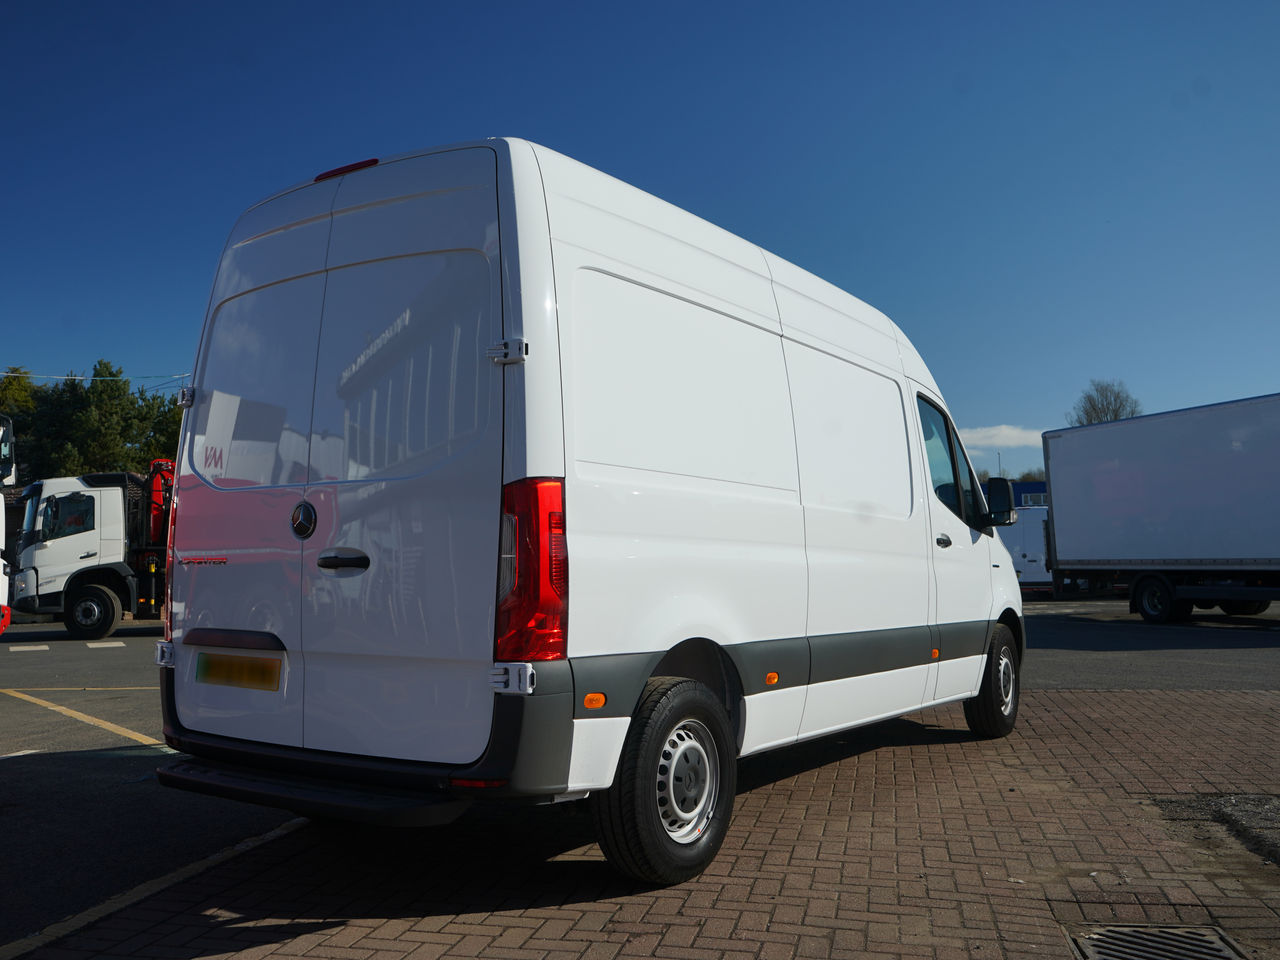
<point>92,612</point>
<point>667,813</point>
<point>993,712</point>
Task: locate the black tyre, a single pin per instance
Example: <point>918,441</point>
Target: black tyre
<point>993,712</point>
<point>92,612</point>
<point>1153,596</point>
<point>1244,608</point>
<point>665,816</point>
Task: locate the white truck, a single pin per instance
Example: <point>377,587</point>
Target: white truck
<point>501,479</point>
<point>8,475</point>
<point>94,547</point>
<point>1027,543</point>
<point>1171,506</point>
<point>8,453</point>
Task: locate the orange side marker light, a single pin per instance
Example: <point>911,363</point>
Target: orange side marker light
<point>770,679</point>
<point>593,701</point>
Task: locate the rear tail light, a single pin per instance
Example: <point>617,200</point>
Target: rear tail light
<point>170,564</point>
<point>533,573</point>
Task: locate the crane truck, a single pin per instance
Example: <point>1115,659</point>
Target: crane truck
<point>94,547</point>
<point>1173,506</point>
<point>8,475</point>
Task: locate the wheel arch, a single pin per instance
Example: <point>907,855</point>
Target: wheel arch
<point>707,662</point>
<point>1017,627</point>
<point>117,578</point>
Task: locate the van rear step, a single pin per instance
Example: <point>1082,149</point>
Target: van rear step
<point>312,797</point>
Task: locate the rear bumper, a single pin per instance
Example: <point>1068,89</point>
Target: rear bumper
<point>312,797</point>
<point>527,757</point>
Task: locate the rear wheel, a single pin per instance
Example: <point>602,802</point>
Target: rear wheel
<point>993,712</point>
<point>1153,597</point>
<point>92,612</point>
<point>1244,608</point>
<point>665,816</point>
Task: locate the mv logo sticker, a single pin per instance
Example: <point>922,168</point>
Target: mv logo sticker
<point>212,459</point>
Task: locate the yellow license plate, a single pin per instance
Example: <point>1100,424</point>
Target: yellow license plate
<point>252,673</point>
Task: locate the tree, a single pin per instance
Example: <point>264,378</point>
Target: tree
<point>1031,475</point>
<point>104,427</point>
<point>68,428</point>
<point>1105,400</point>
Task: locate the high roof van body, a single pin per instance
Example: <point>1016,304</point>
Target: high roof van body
<point>503,479</point>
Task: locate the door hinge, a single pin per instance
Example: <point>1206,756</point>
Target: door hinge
<point>508,351</point>
<point>513,678</point>
<point>186,397</point>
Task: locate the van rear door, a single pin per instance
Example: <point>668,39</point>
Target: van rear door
<point>235,570</point>
<point>338,502</point>
<point>405,465</point>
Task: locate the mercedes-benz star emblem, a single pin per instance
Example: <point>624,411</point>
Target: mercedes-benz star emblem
<point>303,520</point>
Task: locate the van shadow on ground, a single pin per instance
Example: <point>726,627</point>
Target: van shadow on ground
<point>315,879</point>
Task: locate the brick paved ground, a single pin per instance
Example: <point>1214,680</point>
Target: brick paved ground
<point>906,839</point>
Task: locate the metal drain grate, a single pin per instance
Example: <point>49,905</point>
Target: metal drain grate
<point>1155,943</point>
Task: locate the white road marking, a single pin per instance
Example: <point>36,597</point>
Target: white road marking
<point>30,646</point>
<point>97,644</point>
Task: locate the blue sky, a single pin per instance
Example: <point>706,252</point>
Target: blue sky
<point>1039,194</point>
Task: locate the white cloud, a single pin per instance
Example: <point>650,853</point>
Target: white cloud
<point>1001,437</point>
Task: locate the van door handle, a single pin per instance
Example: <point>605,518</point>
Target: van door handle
<point>944,541</point>
<point>343,558</point>
<point>86,556</point>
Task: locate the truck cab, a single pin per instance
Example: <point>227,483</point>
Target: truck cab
<point>91,549</point>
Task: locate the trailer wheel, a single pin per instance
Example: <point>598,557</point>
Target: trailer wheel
<point>667,813</point>
<point>1244,608</point>
<point>1153,596</point>
<point>92,612</point>
<point>993,712</point>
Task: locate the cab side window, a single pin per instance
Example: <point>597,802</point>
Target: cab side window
<point>949,472</point>
<point>67,516</point>
<point>969,490</point>
<point>937,447</point>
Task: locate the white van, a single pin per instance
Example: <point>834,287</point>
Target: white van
<point>1027,543</point>
<point>503,479</point>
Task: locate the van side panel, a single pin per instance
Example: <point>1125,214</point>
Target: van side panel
<point>681,485</point>
<point>684,517</point>
<point>868,567</point>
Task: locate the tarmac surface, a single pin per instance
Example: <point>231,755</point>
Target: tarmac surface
<point>904,839</point>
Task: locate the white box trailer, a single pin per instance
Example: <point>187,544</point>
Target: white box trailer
<point>1174,506</point>
<point>501,479</point>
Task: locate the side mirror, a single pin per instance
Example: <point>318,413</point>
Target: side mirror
<point>1000,510</point>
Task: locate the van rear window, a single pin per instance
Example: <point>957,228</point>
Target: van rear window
<point>253,399</point>
<point>399,380</point>
<point>401,377</point>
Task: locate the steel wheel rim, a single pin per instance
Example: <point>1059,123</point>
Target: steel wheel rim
<point>688,781</point>
<point>1154,598</point>
<point>88,612</point>
<point>1008,682</point>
